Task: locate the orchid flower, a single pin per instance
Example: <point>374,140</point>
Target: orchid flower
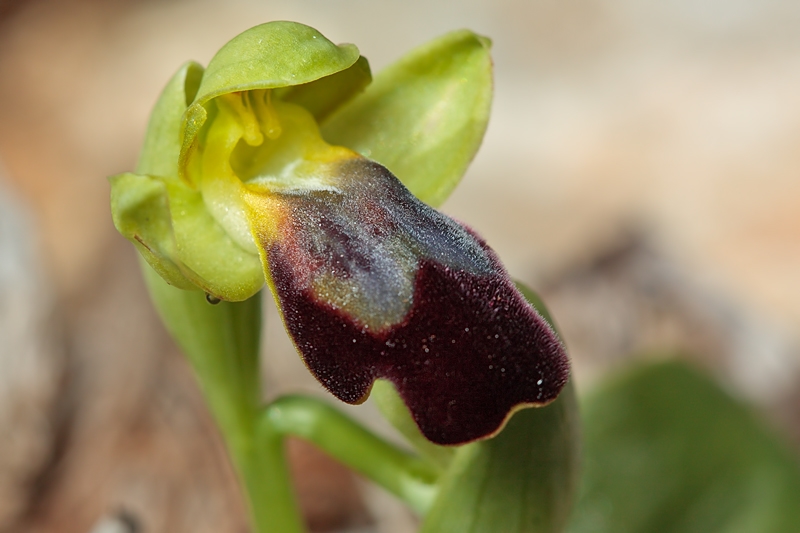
<point>274,165</point>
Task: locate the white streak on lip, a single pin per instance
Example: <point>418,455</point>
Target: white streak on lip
<point>290,181</point>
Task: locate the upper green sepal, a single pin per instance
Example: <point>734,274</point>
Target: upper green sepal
<point>140,210</point>
<point>167,222</point>
<point>273,55</point>
<point>423,117</point>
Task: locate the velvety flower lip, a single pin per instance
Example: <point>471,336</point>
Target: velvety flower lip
<point>373,283</point>
<point>238,186</point>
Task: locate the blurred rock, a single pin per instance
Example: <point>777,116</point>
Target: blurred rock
<point>629,299</point>
<point>31,360</point>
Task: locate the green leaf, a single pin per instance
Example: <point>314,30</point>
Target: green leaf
<point>666,450</point>
<point>423,117</point>
<point>521,481</point>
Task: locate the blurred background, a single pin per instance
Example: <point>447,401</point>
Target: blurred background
<point>641,170</point>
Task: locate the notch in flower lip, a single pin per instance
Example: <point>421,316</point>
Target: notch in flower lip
<point>237,184</point>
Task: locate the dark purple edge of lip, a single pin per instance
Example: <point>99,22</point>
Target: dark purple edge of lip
<point>453,398</point>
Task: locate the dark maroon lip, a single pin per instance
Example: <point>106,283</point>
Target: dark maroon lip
<point>469,351</point>
<point>375,284</point>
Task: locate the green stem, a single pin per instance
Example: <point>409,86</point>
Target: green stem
<point>408,477</point>
<point>269,486</point>
<point>222,343</point>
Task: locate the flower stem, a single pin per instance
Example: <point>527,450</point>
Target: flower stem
<point>266,477</point>
<point>222,343</point>
<point>407,476</point>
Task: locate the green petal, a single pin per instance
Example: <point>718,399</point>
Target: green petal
<point>161,148</point>
<point>324,96</point>
<point>423,117</point>
<point>668,451</point>
<point>210,258</point>
<point>523,480</point>
<point>140,210</point>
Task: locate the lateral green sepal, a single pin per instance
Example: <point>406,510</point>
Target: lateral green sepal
<point>140,210</point>
<point>423,117</point>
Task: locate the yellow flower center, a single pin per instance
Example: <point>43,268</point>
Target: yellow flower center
<point>256,145</point>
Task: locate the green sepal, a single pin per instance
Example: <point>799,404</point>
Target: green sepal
<point>668,451</point>
<point>323,96</point>
<point>269,56</point>
<point>140,210</point>
<point>523,480</point>
<point>208,255</point>
<point>159,156</point>
<point>168,223</point>
<point>139,202</point>
<point>424,116</point>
